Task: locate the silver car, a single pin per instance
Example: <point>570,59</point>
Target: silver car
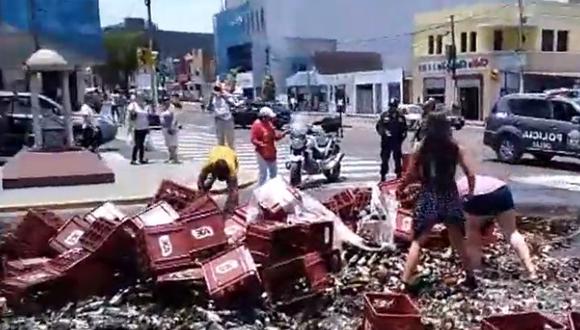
<point>16,128</point>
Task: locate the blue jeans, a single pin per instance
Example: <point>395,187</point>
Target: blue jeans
<point>268,170</point>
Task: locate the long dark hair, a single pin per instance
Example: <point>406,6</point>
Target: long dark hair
<point>438,154</point>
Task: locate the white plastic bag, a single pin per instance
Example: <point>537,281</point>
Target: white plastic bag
<point>381,229</point>
<point>277,195</point>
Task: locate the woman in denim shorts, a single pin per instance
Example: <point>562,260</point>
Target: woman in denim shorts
<point>491,199</point>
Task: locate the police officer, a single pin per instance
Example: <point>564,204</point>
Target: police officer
<point>392,129</point>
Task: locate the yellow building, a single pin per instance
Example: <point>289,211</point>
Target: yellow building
<point>488,64</point>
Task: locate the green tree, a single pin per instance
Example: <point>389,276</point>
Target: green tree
<point>121,48</point>
<point>269,88</point>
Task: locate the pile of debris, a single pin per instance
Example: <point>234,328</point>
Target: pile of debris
<point>277,263</point>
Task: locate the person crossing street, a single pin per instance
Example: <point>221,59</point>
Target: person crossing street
<point>392,128</point>
<point>264,138</point>
<point>170,128</point>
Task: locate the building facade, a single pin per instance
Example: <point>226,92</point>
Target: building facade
<point>488,61</point>
<point>281,35</point>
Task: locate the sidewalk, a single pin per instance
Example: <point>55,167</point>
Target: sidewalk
<point>360,119</point>
<point>134,185</point>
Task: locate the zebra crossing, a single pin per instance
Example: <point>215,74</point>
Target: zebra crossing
<point>195,142</point>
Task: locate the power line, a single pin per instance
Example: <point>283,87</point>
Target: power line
<point>431,27</point>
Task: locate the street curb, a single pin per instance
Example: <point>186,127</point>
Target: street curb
<point>95,203</point>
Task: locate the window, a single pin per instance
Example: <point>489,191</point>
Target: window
<point>564,111</point>
<point>439,44</point>
<point>473,42</point>
<point>463,42</point>
<point>431,45</point>
<point>562,44</point>
<point>23,106</point>
<point>262,20</point>
<point>533,108</point>
<point>498,40</point>
<point>547,40</point>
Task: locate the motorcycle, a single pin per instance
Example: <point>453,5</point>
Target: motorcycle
<point>312,151</point>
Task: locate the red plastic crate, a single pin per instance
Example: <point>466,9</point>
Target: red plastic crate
<point>99,233</point>
<point>404,231</point>
<point>69,235</point>
<point>520,321</point>
<point>20,266</point>
<point>232,276</point>
<point>342,203</point>
<point>166,248</point>
<point>69,259</point>
<point>274,211</point>
<point>202,204</point>
<point>106,211</point>
<point>574,321</point>
<point>207,232</point>
<point>158,214</point>
<point>271,241</point>
<point>235,227</point>
<point>281,277</point>
<point>187,275</point>
<point>176,195</point>
<point>362,198</point>
<point>317,236</point>
<point>31,237</point>
<point>390,311</point>
<point>17,288</point>
<point>390,187</point>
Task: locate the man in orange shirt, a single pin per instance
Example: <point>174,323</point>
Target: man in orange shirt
<point>264,138</point>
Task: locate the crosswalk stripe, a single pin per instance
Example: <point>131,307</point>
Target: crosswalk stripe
<point>195,142</point>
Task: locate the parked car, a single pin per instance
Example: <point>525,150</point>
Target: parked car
<point>540,124</point>
<point>414,112</point>
<point>16,129</point>
<point>245,115</point>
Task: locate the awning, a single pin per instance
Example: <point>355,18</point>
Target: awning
<point>554,74</point>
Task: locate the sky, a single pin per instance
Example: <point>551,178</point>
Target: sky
<point>173,15</point>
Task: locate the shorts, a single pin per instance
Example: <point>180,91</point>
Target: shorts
<point>490,204</point>
<point>435,207</point>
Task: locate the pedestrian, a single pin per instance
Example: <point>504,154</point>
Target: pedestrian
<point>392,128</point>
<point>264,137</point>
<point>223,101</point>
<point>293,103</point>
<point>139,119</point>
<point>428,107</point>
<point>221,165</point>
<point>90,127</point>
<point>433,166</point>
<point>170,128</point>
<point>491,199</point>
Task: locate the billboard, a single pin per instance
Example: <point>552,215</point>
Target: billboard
<point>73,25</point>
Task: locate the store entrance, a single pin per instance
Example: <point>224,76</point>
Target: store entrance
<point>469,97</point>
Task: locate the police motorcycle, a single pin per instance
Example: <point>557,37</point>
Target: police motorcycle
<point>313,151</point>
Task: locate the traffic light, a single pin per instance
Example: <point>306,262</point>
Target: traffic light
<point>145,57</point>
<point>494,74</point>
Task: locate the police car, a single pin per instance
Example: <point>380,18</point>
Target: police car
<point>539,124</point>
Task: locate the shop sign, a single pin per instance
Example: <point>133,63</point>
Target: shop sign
<point>460,64</point>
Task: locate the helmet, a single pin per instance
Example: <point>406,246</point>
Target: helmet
<point>394,102</point>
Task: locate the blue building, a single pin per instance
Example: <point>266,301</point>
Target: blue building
<point>71,27</point>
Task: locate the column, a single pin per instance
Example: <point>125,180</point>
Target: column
<point>35,86</point>
<point>67,109</point>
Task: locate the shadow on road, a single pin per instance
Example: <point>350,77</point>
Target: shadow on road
<point>560,165</point>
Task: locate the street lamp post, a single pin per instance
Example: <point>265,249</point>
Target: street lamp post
<point>152,65</point>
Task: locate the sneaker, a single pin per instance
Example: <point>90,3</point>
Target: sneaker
<point>144,161</point>
<point>134,162</point>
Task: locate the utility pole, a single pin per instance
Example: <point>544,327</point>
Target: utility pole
<point>453,59</point>
<point>152,67</point>
<point>520,44</point>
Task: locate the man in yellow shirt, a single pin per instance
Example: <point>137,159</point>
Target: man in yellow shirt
<point>222,165</point>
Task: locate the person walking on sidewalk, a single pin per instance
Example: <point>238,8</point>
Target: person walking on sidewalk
<point>170,128</point>
<point>222,103</point>
<point>433,166</point>
<point>139,118</point>
<point>491,199</point>
<point>392,128</point>
<point>264,137</point>
<point>221,165</point>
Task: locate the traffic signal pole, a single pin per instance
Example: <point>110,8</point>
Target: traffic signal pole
<point>520,44</point>
<point>152,64</point>
<point>453,59</point>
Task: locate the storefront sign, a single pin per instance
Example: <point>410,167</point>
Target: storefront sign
<point>460,64</point>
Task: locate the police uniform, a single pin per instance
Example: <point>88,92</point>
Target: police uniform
<point>392,128</point>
